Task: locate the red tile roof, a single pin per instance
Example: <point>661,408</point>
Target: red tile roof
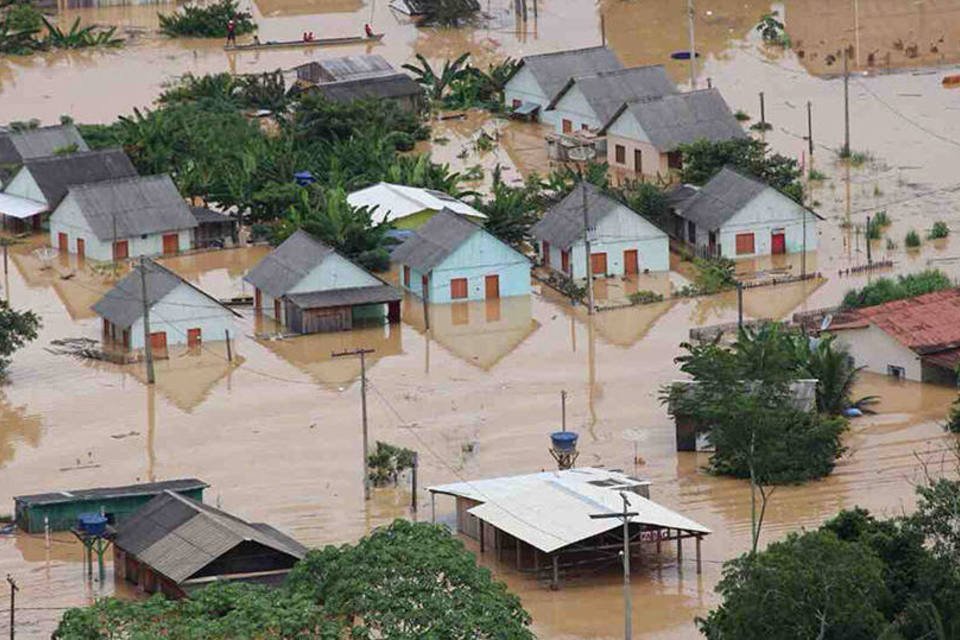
<point>926,324</point>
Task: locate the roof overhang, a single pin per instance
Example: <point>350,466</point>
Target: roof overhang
<point>20,208</point>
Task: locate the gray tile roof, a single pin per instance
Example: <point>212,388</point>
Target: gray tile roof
<point>721,198</point>
<point>17,146</point>
<point>123,304</point>
<point>553,70</point>
<point>140,206</point>
<point>376,294</point>
<point>344,68</point>
<point>562,224</point>
<point>54,174</point>
<point>204,215</point>
<point>281,269</point>
<point>106,493</point>
<point>607,91</point>
<point>433,243</point>
<point>397,85</point>
<point>682,118</point>
<point>178,537</point>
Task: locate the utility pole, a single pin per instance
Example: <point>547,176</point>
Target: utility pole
<point>627,601</point>
<point>693,47</point>
<point>846,106</point>
<point>867,239</point>
<point>563,410</point>
<point>739,305</point>
<point>363,409</point>
<point>803,253</point>
<point>13,596</point>
<point>147,345</point>
<point>763,113</point>
<point>603,31</point>
<point>810,128</point>
<point>586,243</point>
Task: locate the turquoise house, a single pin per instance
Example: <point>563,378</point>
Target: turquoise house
<point>453,259</point>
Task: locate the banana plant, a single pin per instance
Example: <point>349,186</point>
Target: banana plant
<point>436,84</point>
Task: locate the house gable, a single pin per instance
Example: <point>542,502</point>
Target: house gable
<point>335,272</point>
<point>68,216</point>
<point>623,223</point>
<point>524,86</point>
<point>25,186</point>
<point>626,126</point>
<point>481,250</point>
<point>573,106</point>
<point>769,207</point>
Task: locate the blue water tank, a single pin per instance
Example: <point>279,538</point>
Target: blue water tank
<point>92,524</point>
<point>564,441</point>
<point>303,178</point>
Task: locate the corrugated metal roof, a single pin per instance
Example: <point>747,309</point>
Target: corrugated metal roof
<point>17,207</point>
<point>345,68</point>
<point>142,489</point>
<point>140,206</point>
<point>553,70</point>
<point>203,215</point>
<point>345,297</point>
<point>435,241</point>
<point>17,146</point>
<point>54,174</point>
<point>562,224</point>
<point>394,201</point>
<point>606,92</point>
<point>683,118</point>
<point>721,198</point>
<point>288,264</point>
<point>396,85</point>
<point>926,324</point>
<point>178,537</point>
<point>551,510</point>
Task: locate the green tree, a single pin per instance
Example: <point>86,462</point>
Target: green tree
<point>888,289</point>
<point>704,159</point>
<point>511,211</point>
<point>17,328</point>
<point>832,367</point>
<point>207,21</point>
<point>437,82</point>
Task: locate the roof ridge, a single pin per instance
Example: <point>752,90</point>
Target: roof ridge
<point>604,74</point>
<point>74,156</point>
<point>564,51</point>
<point>156,177</point>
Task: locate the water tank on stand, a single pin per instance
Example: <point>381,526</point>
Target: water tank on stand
<point>92,524</point>
<point>563,448</point>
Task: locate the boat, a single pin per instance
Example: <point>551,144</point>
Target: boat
<point>951,82</point>
<point>318,42</point>
<point>683,54</point>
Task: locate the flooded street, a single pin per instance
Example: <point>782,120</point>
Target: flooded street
<point>276,433</point>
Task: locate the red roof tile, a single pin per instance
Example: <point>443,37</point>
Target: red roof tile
<point>925,324</point>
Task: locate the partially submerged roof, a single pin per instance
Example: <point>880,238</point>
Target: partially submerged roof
<point>683,118</point>
<point>435,241</point>
<point>123,304</point>
<point>203,215</point>
<point>17,146</point>
<point>281,269</point>
<point>55,174</point>
<point>553,70</point>
<point>109,493</point>
<point>551,510</point>
<point>395,201</point>
<point>351,296</point>
<point>395,85</point>
<point>132,207</point>
<point>178,537</point>
<point>347,67</point>
<point>562,224</point>
<point>606,92</point>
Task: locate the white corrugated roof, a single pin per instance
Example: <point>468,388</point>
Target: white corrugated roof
<point>17,207</point>
<point>395,201</point>
<point>551,510</point>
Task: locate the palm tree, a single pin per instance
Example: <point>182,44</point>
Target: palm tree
<point>831,366</point>
<point>435,84</point>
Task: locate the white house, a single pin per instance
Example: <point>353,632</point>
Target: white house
<point>538,78</point>
<point>307,286</point>
<point>622,242</point>
<point>586,103</point>
<point>139,216</point>
<point>408,207</point>
<point>643,136</point>
<point>19,146</point>
<point>180,313</point>
<point>739,216</point>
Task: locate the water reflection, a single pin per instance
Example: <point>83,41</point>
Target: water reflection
<point>271,8</point>
<point>17,427</point>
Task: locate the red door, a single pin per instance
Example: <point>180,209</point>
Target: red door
<point>598,263</point>
<point>257,299</point>
<point>276,309</point>
<point>193,338</point>
<point>567,126</point>
<point>492,286</point>
<point>546,253</point>
<point>565,261</point>
<point>171,244</point>
<point>121,250</point>
<point>62,243</point>
<point>778,243</point>
<point>158,341</point>
<point>631,262</point>
<point>81,248</point>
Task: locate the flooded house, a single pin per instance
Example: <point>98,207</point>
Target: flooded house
<point>644,136</point>
<point>308,287</point>
<point>180,313</point>
<point>913,339</point>
<point>27,144</point>
<point>452,259</point>
<point>622,242</point>
<point>174,545</point>
<point>344,68</point>
<point>538,78</point>
<point>361,77</point>
<point>738,216</point>
<point>214,229</point>
<point>409,207</point>
<point>125,218</point>
<point>41,183</point>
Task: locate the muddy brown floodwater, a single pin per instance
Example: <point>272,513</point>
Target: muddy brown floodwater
<point>276,433</point>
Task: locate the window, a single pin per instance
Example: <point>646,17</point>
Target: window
<point>897,372</point>
<point>458,288</point>
<point>745,245</point>
<point>691,232</point>
<point>598,263</point>
<point>567,126</point>
<point>584,127</point>
<point>620,154</point>
<point>674,160</point>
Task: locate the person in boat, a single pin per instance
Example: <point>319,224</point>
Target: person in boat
<point>232,32</point>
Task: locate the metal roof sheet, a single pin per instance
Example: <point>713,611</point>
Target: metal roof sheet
<point>553,70</point>
<point>203,215</point>
<point>721,198</point>
<point>435,241</point>
<point>55,174</point>
<point>345,67</point>
<point>345,297</point>
<point>141,489</point>
<point>394,201</point>
<point>288,264</point>
<point>395,85</point>
<point>17,207</point>
<point>562,224</point>
<point>606,92</point>
<point>17,146</point>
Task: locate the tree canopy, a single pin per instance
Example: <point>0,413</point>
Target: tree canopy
<point>703,159</point>
<point>17,328</point>
<point>888,289</point>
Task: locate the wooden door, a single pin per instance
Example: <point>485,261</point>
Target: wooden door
<point>193,338</point>
<point>257,299</point>
<point>567,126</point>
<point>565,261</point>
<point>158,341</point>
<point>406,276</point>
<point>121,250</point>
<point>276,310</point>
<point>546,254</point>
<point>171,244</point>
<point>81,248</point>
<point>638,161</point>
<point>631,262</point>
<point>778,243</point>
<point>63,243</point>
<point>745,244</point>
<point>458,288</point>
<point>598,263</point>
<point>491,287</point>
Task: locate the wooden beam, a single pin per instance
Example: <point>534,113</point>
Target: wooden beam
<point>699,566</point>
<point>482,527</point>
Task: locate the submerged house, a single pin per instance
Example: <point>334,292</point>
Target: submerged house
<point>622,241</point>
<point>737,216</point>
<point>125,218</point>
<point>19,146</point>
<point>214,229</point>
<point>308,287</point>
<point>538,78</point>
<point>586,103</point>
<point>913,339</point>
<point>41,183</point>
<point>180,313</point>
<point>409,207</point>
<point>344,68</point>
<point>643,136</point>
<point>174,545</point>
<point>453,259</point>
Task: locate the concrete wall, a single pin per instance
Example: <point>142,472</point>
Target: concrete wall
<point>181,309</point>
<point>24,186</point>
<point>523,86</point>
<point>573,106</point>
<point>874,349</point>
<point>770,211</point>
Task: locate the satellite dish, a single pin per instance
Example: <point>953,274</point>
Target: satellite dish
<point>581,153</point>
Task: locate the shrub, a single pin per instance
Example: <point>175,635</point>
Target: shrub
<point>939,230</point>
<point>912,240</point>
<point>402,141</point>
<point>645,297</point>
<point>816,176</point>
<point>881,218</point>
<point>207,21</point>
<point>741,115</point>
<point>953,418</point>
<point>874,230</point>
<point>887,289</point>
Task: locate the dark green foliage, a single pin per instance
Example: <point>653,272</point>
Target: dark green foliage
<point>17,328</point>
<point>881,218</point>
<point>713,276</point>
<point>511,211</point>
<point>319,119</point>
<point>388,462</point>
<point>939,230</point>
<point>912,240</point>
<point>645,297</point>
<point>449,13</point>
<point>952,423</point>
<point>772,30</point>
<point>21,26</point>
<point>874,230</point>
<point>79,37</point>
<point>649,201</point>
<point>437,82</point>
<point>887,289</point>
<point>208,21</point>
<point>23,16</point>
<point>832,367</point>
<point>225,90</point>
<point>704,159</point>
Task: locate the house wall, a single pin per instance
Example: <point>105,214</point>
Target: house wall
<point>523,86</point>
<point>24,186</point>
<point>573,106</point>
<point>874,349</point>
<point>181,309</point>
<point>626,131</point>
<point>769,211</point>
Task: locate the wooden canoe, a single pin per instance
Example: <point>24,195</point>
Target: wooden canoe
<point>951,81</point>
<point>319,42</point>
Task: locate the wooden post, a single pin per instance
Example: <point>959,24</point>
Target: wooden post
<point>229,350</point>
<point>763,113</point>
<point>699,566</point>
<point>555,583</point>
<point>846,106</point>
<point>4,257</point>
<point>147,344</point>
<point>13,597</point>
<point>867,238</point>
<point>603,31</point>
<point>679,550</point>
<point>810,128</point>
<point>416,466</point>
<point>518,553</point>
<point>363,411</point>
<point>433,508</point>
<point>482,541</point>
<point>425,291</point>
<point>659,531</point>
